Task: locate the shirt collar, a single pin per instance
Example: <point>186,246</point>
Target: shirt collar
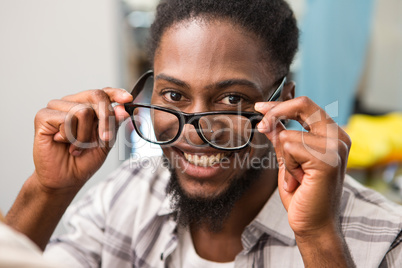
<point>166,208</point>
<point>164,177</point>
<point>273,221</point>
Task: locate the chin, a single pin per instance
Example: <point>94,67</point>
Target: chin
<point>202,189</point>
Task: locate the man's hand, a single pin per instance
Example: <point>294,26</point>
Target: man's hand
<point>312,167</point>
<point>73,137</point>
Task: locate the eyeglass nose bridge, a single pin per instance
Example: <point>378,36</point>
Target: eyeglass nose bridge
<point>194,120</point>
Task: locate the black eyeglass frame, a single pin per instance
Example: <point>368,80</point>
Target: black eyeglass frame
<point>193,118</point>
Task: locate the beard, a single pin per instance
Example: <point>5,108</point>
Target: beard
<point>208,212</point>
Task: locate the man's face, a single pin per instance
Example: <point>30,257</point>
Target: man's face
<point>209,66</point>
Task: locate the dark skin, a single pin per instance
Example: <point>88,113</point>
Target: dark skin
<point>225,245</point>
<point>195,59</point>
<point>184,64</point>
<point>201,55</point>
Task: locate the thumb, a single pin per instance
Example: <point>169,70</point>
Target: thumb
<point>272,133</point>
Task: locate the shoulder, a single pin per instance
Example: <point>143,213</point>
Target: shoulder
<point>115,215</point>
<point>13,245</point>
<point>371,224</point>
<point>357,200</point>
<point>142,179</point>
<point>135,184</point>
<point>149,174</point>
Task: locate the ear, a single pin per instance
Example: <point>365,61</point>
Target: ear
<point>288,91</point>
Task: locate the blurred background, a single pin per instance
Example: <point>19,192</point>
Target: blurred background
<point>350,62</point>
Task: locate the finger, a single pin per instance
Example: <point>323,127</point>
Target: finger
<point>294,172</point>
<point>78,125</point>
<point>52,124</point>
<point>78,147</point>
<point>291,165</point>
<point>298,149</point>
<point>303,110</point>
<point>316,149</point>
<point>120,113</point>
<point>58,125</point>
<point>85,118</point>
<point>313,171</point>
<point>290,183</point>
<point>102,106</point>
<point>101,103</point>
<point>59,137</point>
<point>273,135</point>
<point>114,94</point>
<point>287,185</point>
<point>48,121</point>
<point>118,95</point>
<point>62,136</point>
<point>290,140</point>
<point>285,178</point>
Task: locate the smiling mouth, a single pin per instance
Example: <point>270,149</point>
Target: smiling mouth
<point>206,160</point>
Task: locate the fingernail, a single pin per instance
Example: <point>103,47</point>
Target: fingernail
<point>76,153</point>
<point>285,185</point>
<point>106,135</point>
<point>262,127</point>
<point>258,105</point>
<point>126,95</point>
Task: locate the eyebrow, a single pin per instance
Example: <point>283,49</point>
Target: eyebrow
<point>219,85</point>
<point>172,80</point>
<point>236,82</point>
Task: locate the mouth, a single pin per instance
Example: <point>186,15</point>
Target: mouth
<point>202,165</point>
<point>206,160</point>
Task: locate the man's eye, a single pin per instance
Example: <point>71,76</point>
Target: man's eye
<point>232,99</point>
<point>173,96</point>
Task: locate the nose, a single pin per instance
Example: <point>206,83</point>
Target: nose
<point>189,134</point>
<point>191,137</point>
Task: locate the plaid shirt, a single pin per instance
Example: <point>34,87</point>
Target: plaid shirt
<point>126,221</point>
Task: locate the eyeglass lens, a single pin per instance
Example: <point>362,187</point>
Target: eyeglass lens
<point>221,130</point>
<point>155,125</point>
<point>226,131</point>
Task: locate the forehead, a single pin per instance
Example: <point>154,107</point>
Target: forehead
<point>209,51</point>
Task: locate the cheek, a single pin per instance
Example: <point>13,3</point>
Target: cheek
<point>260,145</point>
<point>165,125</point>
<point>155,97</point>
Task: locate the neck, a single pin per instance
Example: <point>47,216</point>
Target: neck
<point>223,246</point>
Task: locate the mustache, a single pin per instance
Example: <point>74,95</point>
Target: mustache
<point>209,212</point>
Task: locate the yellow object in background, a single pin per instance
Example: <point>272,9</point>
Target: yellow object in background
<point>375,139</point>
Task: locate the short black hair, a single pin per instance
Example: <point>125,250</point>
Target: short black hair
<point>272,21</point>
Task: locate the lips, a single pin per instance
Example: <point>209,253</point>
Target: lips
<point>205,160</point>
<point>200,164</point>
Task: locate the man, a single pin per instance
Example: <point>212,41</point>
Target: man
<point>212,200</point>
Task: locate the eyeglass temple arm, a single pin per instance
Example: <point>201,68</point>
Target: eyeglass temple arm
<point>140,84</point>
<point>275,96</point>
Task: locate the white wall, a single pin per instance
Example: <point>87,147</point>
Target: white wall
<point>48,49</point>
<point>382,81</point>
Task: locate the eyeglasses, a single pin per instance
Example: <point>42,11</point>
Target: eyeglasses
<point>223,130</point>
